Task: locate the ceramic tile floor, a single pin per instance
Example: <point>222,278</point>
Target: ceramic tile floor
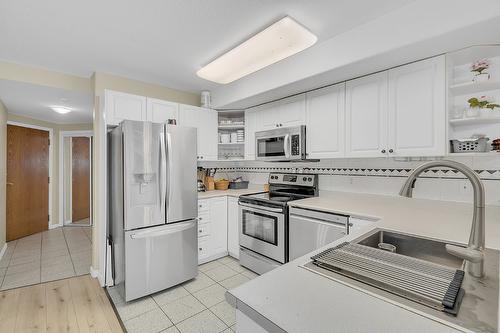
<point>47,256</point>
<point>198,305</point>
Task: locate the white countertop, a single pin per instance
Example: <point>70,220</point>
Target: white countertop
<point>252,188</point>
<point>297,300</point>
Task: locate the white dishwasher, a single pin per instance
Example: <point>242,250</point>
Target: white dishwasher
<point>311,229</point>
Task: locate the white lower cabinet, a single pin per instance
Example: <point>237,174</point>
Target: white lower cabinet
<point>233,231</point>
<point>212,229</point>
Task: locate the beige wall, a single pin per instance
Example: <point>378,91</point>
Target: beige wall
<point>67,178</point>
<point>43,77</point>
<point>55,218</point>
<point>103,81</point>
<point>3,171</point>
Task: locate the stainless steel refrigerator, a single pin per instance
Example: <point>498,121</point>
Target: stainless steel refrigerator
<point>153,206</point>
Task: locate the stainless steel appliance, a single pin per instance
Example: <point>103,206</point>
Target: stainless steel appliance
<point>281,144</point>
<point>311,229</point>
<point>152,206</point>
<point>264,220</point>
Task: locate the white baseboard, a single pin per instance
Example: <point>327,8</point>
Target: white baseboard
<point>53,226</point>
<point>2,252</point>
<point>96,274</point>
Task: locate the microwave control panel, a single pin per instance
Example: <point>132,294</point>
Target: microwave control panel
<point>295,145</point>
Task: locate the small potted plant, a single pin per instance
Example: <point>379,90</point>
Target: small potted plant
<point>480,106</point>
<point>479,69</point>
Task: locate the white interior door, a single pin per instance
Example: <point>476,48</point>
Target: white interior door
<point>366,116</point>
<point>417,109</point>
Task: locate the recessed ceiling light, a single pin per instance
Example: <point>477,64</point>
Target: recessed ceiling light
<point>278,41</point>
<point>61,109</point>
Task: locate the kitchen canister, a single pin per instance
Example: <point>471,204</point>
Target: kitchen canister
<point>206,99</point>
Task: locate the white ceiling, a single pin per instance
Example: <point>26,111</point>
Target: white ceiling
<point>159,41</point>
<point>34,101</point>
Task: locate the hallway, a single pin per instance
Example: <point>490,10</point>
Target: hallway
<point>47,256</point>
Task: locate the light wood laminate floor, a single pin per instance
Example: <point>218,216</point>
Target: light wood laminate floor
<point>77,304</point>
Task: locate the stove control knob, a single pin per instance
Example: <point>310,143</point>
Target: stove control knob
<point>304,179</point>
<point>309,179</point>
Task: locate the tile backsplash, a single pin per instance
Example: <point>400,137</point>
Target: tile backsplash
<point>378,176</point>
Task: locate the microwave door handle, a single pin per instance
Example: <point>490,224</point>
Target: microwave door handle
<point>286,144</point>
<point>163,175</point>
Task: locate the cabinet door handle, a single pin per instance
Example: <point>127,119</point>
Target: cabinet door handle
<point>391,151</point>
<point>383,151</point>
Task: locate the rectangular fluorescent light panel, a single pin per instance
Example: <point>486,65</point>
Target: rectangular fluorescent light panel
<point>278,41</point>
<point>61,109</point>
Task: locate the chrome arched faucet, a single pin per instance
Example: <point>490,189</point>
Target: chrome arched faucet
<point>473,253</point>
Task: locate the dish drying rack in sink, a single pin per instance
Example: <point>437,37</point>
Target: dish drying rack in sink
<point>421,281</point>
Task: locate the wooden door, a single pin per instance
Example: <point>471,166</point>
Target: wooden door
<point>27,181</point>
<point>366,116</point>
<point>417,109</point>
<point>325,122</point>
<point>80,179</point>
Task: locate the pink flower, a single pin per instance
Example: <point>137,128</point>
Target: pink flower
<point>480,65</point>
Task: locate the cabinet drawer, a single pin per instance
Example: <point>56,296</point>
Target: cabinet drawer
<point>203,246</point>
<point>203,206</point>
<point>203,217</point>
<point>203,229</point>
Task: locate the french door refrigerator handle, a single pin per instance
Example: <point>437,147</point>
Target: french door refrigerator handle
<point>163,177</point>
<point>169,168</point>
<point>171,229</point>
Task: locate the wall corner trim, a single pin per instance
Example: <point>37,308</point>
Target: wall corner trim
<point>2,252</point>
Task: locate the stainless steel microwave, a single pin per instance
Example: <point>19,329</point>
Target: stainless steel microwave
<point>281,144</point>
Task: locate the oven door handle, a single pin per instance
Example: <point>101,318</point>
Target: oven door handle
<point>269,209</point>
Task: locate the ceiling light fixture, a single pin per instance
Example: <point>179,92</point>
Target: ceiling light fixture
<point>61,109</point>
<point>277,42</point>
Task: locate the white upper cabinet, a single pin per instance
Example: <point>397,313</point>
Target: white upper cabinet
<point>417,116</point>
<point>287,112</point>
<point>366,116</point>
<point>120,106</point>
<point>325,121</point>
<point>205,120</point>
<point>293,111</point>
<point>250,127</point>
<point>159,111</point>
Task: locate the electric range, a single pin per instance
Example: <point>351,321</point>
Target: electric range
<point>264,220</point>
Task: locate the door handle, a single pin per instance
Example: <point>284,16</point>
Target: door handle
<point>286,145</point>
<point>163,176</point>
<point>8,183</point>
<point>178,227</point>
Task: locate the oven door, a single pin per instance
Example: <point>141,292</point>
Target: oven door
<point>273,147</point>
<point>262,230</point>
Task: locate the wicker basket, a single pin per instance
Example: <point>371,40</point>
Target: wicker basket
<point>221,185</point>
<point>478,145</point>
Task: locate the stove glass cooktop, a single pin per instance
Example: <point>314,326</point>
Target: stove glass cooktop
<point>271,197</point>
